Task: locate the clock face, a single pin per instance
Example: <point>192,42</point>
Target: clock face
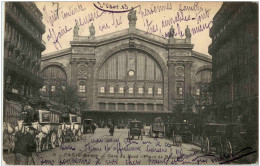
<point>131,73</point>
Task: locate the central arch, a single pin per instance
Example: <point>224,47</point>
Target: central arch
<point>137,47</point>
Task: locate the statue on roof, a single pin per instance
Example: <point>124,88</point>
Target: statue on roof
<point>187,32</point>
<point>171,32</point>
<point>76,30</point>
<point>92,30</point>
<point>132,18</point>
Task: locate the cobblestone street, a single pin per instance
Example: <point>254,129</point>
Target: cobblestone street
<point>101,148</point>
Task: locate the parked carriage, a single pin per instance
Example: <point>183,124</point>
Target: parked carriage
<point>157,127</point>
<point>183,131</point>
<point>212,137</point>
<point>71,128</point>
<point>235,138</point>
<point>135,129</point>
<point>50,120</point>
<point>46,125</point>
<point>87,126</point>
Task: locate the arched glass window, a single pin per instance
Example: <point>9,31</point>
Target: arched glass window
<point>179,89</point>
<point>82,87</point>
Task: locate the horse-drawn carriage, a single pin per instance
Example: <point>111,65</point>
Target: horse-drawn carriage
<point>212,137</point>
<point>88,126</point>
<point>182,132</point>
<point>47,128</point>
<point>135,129</point>
<point>71,128</point>
<point>157,127</point>
<point>226,138</point>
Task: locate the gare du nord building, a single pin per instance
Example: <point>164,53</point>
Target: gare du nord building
<point>127,74</point>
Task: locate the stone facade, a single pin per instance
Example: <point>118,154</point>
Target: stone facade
<point>129,71</point>
<point>22,54</point>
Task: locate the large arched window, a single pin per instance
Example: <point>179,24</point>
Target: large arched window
<point>54,77</point>
<point>131,73</point>
<point>131,64</point>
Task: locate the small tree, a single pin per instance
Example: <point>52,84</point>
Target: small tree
<point>182,108</point>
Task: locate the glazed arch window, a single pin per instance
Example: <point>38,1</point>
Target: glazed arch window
<point>102,89</point>
<point>111,90</point>
<point>159,91</point>
<point>82,87</point>
<point>140,90</point>
<point>179,89</point>
<point>150,90</point>
<point>121,90</point>
<point>131,90</point>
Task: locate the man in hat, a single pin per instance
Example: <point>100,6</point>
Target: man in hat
<point>24,146</point>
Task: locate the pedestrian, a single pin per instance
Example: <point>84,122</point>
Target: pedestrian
<point>93,126</point>
<point>111,128</point>
<point>24,146</point>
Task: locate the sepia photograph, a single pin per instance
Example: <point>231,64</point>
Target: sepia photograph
<point>130,83</point>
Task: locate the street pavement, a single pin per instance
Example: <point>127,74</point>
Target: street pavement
<point>102,149</point>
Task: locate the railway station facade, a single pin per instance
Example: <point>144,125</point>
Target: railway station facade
<point>127,74</point>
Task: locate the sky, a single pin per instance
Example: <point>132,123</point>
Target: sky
<point>152,17</point>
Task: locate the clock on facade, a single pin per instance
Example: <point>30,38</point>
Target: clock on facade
<point>131,73</point>
<point>179,71</point>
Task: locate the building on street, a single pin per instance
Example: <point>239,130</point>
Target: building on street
<point>22,54</point>
<point>234,51</point>
<point>128,73</point>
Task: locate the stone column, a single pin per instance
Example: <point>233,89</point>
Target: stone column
<point>154,107</point>
<point>116,105</point>
<point>187,77</point>
<point>145,106</point>
<point>90,82</point>
<point>135,106</point>
<point>171,80</point>
<point>126,108</point>
<point>74,72</point>
<point>106,105</point>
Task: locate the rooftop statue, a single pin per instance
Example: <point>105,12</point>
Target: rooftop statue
<point>132,18</point>
<point>171,32</point>
<point>187,33</point>
<point>92,30</point>
<point>76,30</point>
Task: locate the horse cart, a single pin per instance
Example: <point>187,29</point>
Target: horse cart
<point>71,128</point>
<point>212,136</point>
<point>234,139</point>
<point>46,125</point>
<point>182,132</point>
<point>135,129</point>
<point>87,126</point>
<point>157,127</point>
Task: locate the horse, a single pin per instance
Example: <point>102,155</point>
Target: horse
<point>41,137</point>
<point>8,137</point>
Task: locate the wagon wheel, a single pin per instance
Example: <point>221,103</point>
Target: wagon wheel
<point>53,140</point>
<point>228,149</point>
<point>219,149</point>
<point>207,145</point>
